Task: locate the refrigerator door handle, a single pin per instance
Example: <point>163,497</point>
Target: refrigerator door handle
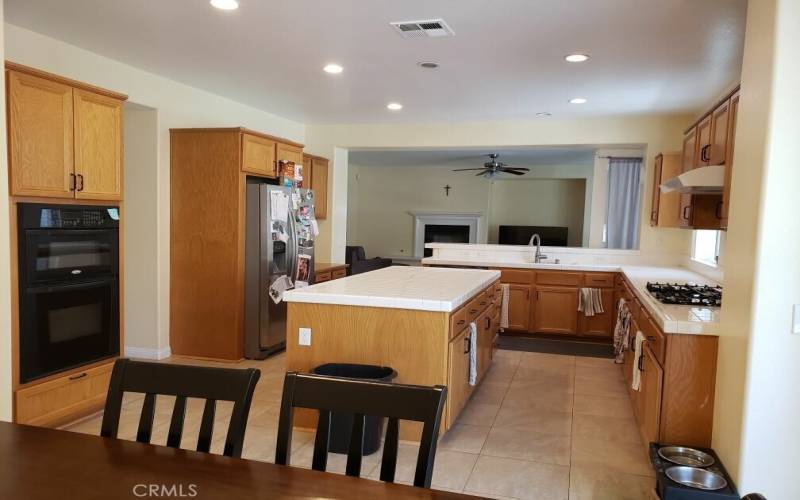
<point>292,271</point>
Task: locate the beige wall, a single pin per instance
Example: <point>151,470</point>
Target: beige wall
<point>656,133</point>
<point>758,405</point>
<point>141,219</point>
<point>5,263</point>
<point>538,202</point>
<point>178,105</point>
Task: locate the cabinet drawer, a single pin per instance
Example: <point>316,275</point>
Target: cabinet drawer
<point>559,278</point>
<point>489,294</point>
<point>63,399</point>
<point>458,321</point>
<point>516,276</point>
<point>473,309</point>
<point>482,302</point>
<point>322,277</point>
<point>339,273</point>
<point>598,280</point>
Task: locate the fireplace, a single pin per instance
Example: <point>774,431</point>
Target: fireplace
<point>437,227</point>
<point>445,233</point>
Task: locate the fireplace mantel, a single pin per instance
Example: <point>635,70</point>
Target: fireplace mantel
<point>474,220</point>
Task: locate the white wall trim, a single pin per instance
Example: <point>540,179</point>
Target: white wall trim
<point>147,353</point>
<point>472,219</point>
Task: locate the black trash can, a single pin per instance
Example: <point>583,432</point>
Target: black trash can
<point>342,424</point>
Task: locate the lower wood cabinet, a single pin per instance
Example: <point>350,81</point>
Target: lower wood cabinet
<point>556,310</point>
<point>601,324</point>
<point>519,307</point>
<point>649,407</point>
<point>459,390</point>
<point>62,399</point>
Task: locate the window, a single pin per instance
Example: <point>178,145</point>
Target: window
<point>705,246</point>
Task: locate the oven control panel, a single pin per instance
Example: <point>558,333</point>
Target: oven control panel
<point>39,216</point>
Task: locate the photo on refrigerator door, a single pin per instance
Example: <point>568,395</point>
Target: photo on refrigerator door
<point>303,270</point>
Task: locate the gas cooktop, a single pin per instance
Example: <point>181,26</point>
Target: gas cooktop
<point>687,294</point>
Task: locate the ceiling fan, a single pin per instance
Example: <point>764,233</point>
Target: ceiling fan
<point>491,168</point>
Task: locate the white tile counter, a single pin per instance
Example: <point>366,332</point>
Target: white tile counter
<point>400,287</point>
<point>671,318</point>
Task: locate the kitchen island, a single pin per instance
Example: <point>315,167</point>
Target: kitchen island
<point>413,319</point>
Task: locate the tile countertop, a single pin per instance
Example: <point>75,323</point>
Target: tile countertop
<point>671,318</point>
<point>400,287</point>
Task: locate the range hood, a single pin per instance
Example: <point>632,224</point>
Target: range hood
<point>698,180</point>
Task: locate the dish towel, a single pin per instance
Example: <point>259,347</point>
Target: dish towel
<point>590,301</point>
<point>504,305</point>
<point>622,331</point>
<point>473,353</point>
<point>636,383</point>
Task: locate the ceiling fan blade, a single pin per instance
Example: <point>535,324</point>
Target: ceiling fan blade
<point>481,173</point>
<point>513,172</point>
<point>465,169</point>
<point>518,169</point>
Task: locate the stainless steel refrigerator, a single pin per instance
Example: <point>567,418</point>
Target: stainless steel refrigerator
<point>271,253</point>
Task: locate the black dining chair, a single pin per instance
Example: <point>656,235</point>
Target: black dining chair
<point>360,398</point>
<point>182,381</point>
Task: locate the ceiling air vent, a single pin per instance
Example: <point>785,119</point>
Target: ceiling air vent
<point>431,28</point>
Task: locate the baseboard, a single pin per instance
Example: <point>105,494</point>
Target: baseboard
<point>146,353</point>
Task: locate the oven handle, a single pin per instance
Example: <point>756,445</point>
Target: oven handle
<point>73,286</point>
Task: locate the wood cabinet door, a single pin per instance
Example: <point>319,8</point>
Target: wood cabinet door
<point>458,388</point>
<point>687,162</point>
<point>98,146</point>
<point>319,181</point>
<point>718,150</point>
<point>519,307</point>
<point>602,324</point>
<point>650,396</point>
<point>308,172</point>
<point>40,134</point>
<point>287,152</point>
<point>556,310</point>
<point>726,191</point>
<point>656,191</point>
<point>258,155</point>
<point>702,156</point>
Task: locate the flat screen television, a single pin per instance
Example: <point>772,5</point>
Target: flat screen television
<point>552,236</point>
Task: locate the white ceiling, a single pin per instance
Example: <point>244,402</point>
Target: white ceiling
<point>505,61</point>
<point>467,158</point>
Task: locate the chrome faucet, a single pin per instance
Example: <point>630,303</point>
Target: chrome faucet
<point>538,242</point>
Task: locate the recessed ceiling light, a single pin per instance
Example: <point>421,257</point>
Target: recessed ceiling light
<point>428,64</point>
<point>394,106</point>
<point>543,113</point>
<point>577,100</point>
<point>577,58</point>
<point>225,4</point>
<point>333,69</point>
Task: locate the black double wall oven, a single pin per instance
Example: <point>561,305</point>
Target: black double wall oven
<point>69,287</point>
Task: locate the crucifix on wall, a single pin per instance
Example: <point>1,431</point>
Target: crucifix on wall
<point>447,189</point>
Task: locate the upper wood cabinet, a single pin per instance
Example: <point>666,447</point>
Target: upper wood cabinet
<point>65,137</point>
<point>702,157</point>
<point>726,191</point>
<point>318,181</point>
<point>709,143</point>
<point>40,136</point>
<point>289,152</point>
<point>98,146</point>
<point>666,207</point>
<point>258,155</point>
<point>556,310</point>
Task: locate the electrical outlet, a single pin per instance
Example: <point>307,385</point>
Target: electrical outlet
<point>305,336</point>
<point>796,319</point>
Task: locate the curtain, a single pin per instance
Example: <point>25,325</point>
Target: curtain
<point>622,216</point>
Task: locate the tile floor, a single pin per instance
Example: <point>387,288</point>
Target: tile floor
<point>541,426</point>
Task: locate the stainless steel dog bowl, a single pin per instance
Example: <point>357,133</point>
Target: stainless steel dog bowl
<point>686,456</point>
<point>696,478</point>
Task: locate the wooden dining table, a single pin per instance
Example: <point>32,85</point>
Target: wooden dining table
<point>39,463</point>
